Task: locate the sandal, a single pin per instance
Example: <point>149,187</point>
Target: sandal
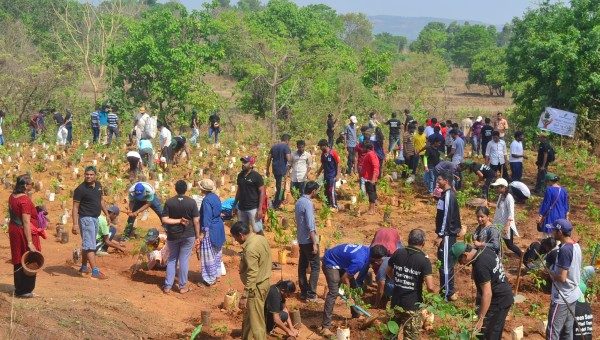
<point>184,290</point>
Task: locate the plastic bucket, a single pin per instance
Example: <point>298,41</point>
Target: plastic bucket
<point>32,262</point>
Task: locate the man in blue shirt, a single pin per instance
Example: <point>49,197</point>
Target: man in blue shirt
<point>141,197</point>
<point>340,264</point>
<point>281,157</point>
<point>308,242</point>
<point>351,142</point>
<point>330,166</point>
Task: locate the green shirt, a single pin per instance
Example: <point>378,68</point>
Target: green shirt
<point>255,265</point>
<point>103,229</point>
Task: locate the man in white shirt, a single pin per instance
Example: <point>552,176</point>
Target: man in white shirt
<point>516,157</point>
<point>496,155</point>
<point>466,128</point>
<point>300,167</point>
<point>164,138</point>
<point>140,124</point>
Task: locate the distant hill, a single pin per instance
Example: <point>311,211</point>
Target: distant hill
<point>409,26</point>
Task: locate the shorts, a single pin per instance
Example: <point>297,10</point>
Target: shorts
<point>371,190</point>
<point>88,226</point>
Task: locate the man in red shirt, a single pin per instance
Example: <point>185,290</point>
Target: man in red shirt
<point>369,173</point>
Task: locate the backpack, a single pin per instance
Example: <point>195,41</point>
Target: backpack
<point>150,128</point>
<point>551,154</point>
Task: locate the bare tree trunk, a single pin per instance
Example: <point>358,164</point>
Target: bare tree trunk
<point>274,86</point>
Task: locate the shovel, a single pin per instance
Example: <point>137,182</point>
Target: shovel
<point>519,298</point>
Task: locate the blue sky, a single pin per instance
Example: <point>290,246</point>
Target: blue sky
<point>489,11</point>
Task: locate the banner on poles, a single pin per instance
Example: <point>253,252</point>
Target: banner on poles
<point>558,121</point>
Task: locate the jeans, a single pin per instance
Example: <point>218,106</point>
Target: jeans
<point>215,132</point>
<point>179,252</point>
<point>330,192</point>
<point>69,134</point>
<point>33,133</point>
<point>351,157</point>
<point>483,147</point>
<point>308,289</point>
<point>299,186</point>
<point>516,170</point>
<point>95,134</point>
<point>147,155</point>
<point>249,217</point>
<point>511,245</point>
<point>333,285</point>
<point>560,321</point>
<point>447,268</point>
<point>394,141</point>
<point>279,191</point>
<point>540,181</point>
<point>493,322</point>
<point>430,177</point>
<point>113,131</point>
<point>134,206</point>
<point>1,139</point>
<point>474,145</point>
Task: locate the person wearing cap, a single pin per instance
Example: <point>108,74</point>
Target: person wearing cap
<point>542,161</point>
<point>494,293</point>
<point>351,140</point>
<point>277,314</point>
<point>504,215</point>
<point>250,195</point>
<point>395,135</point>
<point>107,229</point>
<point>280,156</point>
<point>554,206</point>
<point>308,242</point>
<point>516,157</point>
<point>485,175</point>
<point>496,155</point>
<point>340,264</point>
<point>409,269</point>
<point>158,251</point>
<point>331,169</point>
<point>213,233</point>
<point>447,227</point>
<point>214,126</point>
<point>475,135</point>
<point>255,274</point>
<point>565,274</point>
<point>141,197</point>
<point>88,204</point>
<point>181,219</point>
<point>95,124</point>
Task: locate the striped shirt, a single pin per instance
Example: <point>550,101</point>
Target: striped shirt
<point>113,120</point>
<point>95,119</point>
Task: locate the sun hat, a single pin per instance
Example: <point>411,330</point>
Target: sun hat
<point>500,182</point>
<point>207,184</point>
<point>248,159</point>
<point>138,191</point>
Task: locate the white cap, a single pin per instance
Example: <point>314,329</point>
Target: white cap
<point>500,181</point>
<point>479,119</point>
<point>353,119</point>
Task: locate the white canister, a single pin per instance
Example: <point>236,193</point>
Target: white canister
<point>51,197</point>
<point>343,334</point>
<point>223,271</point>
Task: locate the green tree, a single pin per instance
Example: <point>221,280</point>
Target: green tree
<point>553,60</point>
<point>465,41</point>
<point>376,67</point>
<point>386,42</point>
<point>489,68</point>
<point>164,57</point>
<point>358,30</point>
<point>249,5</point>
<point>432,39</point>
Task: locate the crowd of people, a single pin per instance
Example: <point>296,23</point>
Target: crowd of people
<point>402,271</point>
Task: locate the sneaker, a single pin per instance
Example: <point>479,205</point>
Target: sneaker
<point>325,332</point>
<point>98,276</point>
<point>85,271</point>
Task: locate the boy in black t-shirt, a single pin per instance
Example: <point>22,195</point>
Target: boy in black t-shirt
<point>486,135</point>
<point>276,313</point>
<point>409,268</point>
<point>492,287</point>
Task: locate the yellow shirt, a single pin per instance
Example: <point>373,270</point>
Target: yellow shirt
<point>420,140</point>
